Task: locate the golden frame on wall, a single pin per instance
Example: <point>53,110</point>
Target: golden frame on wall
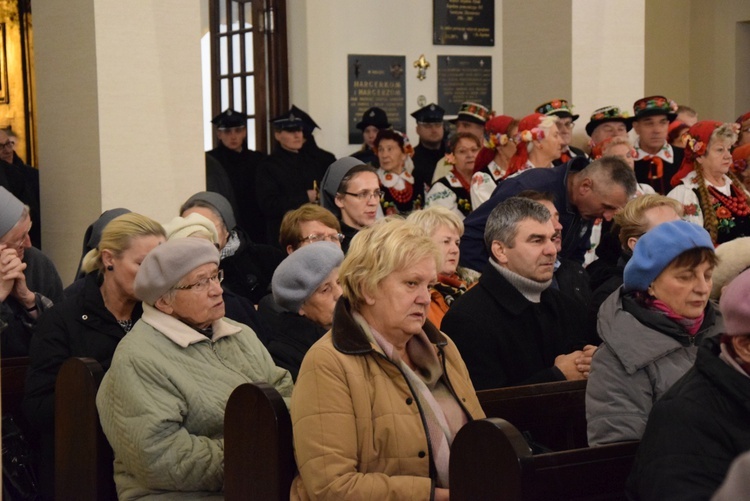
<point>4,98</point>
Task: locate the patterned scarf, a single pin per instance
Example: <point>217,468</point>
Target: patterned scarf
<point>425,381</point>
<point>691,325</point>
<point>450,287</point>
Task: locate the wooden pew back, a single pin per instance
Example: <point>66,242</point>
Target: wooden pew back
<point>258,451</point>
<point>83,457</point>
<point>490,459</point>
<point>553,413</point>
<point>13,381</point>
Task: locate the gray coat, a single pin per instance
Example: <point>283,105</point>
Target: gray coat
<point>642,355</point>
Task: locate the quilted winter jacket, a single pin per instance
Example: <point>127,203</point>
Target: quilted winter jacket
<point>358,429</point>
<point>633,367</point>
<point>161,404</point>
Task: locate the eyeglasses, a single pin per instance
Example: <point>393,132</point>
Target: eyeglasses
<point>19,243</point>
<point>366,195</point>
<point>202,284</point>
<point>319,237</point>
<point>566,125</point>
<point>8,144</point>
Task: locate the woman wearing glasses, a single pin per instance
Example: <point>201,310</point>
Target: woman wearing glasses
<point>89,323</point>
<point>351,190</point>
<point>161,404</point>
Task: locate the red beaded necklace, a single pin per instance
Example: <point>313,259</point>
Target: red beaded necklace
<point>736,204</point>
<point>402,196</point>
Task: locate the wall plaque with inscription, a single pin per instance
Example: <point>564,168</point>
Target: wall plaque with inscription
<point>463,22</point>
<point>464,78</point>
<point>376,81</point>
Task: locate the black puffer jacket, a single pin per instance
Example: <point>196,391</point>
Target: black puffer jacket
<point>694,432</point>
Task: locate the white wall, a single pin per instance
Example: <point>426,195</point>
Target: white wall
<point>120,121</point>
<point>608,57</point>
<point>607,54</point>
<point>323,32</point>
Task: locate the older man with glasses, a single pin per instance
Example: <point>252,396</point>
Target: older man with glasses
<point>21,180</point>
<point>161,404</point>
<point>29,282</point>
<point>562,109</point>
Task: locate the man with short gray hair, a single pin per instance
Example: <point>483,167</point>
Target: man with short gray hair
<point>29,282</point>
<point>512,328</point>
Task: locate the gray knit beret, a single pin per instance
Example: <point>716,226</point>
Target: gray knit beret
<point>219,202</point>
<point>297,277</point>
<point>168,263</point>
<point>11,209</point>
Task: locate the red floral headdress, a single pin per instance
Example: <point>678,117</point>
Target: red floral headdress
<point>528,130</point>
<point>696,142</point>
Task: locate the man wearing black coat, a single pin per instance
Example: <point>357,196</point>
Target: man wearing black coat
<point>512,328</point>
<point>231,169</point>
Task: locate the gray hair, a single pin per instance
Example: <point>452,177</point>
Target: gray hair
<point>502,223</point>
<point>610,172</point>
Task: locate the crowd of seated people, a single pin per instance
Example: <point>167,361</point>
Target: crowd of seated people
<point>378,292</point>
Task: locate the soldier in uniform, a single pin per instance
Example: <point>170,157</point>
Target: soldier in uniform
<point>231,170</point>
<point>431,147</point>
<point>289,177</point>
<point>373,121</point>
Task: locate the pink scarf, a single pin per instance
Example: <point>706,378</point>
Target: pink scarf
<point>691,325</point>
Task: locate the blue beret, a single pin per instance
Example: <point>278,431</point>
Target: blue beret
<point>659,247</point>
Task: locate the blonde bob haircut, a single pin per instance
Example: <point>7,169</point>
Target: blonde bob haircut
<point>632,219</point>
<point>391,244</point>
<point>117,236</point>
<point>435,216</point>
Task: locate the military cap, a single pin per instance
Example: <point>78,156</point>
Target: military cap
<point>430,114</point>
<point>290,121</point>
<point>229,119</point>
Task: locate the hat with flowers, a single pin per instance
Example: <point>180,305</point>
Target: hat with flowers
<point>558,107</point>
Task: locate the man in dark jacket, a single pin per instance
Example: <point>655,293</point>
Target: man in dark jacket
<point>289,177</point>
<point>582,191</point>
<point>231,169</point>
<point>431,147</point>
<point>512,328</point>
<point>23,182</point>
<point>700,425</point>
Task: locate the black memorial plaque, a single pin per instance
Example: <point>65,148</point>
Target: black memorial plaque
<point>463,22</point>
<point>464,78</point>
<point>376,81</point>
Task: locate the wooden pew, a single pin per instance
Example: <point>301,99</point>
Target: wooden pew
<point>83,457</point>
<point>258,455</point>
<point>13,381</point>
<point>553,413</point>
<point>490,459</point>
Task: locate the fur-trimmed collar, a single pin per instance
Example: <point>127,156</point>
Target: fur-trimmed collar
<point>348,336</point>
<point>181,333</point>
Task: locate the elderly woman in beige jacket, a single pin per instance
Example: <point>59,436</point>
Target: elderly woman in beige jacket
<point>161,404</point>
<point>380,397</point>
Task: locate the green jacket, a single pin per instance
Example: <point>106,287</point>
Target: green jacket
<point>161,403</point>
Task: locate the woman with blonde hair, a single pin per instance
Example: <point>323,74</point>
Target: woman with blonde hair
<point>711,194</point>
<point>91,321</point>
<point>445,229</point>
<point>380,397</point>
